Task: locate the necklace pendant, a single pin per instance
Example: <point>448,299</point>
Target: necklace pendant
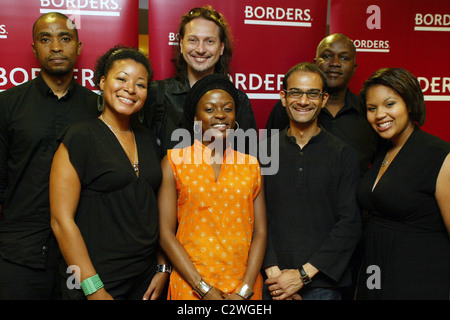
<point>136,166</point>
<point>384,163</point>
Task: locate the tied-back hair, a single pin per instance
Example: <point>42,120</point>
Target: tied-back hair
<point>208,13</point>
<point>120,52</point>
<point>404,84</point>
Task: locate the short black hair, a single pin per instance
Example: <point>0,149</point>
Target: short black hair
<point>306,67</point>
<point>59,15</point>
<point>120,52</point>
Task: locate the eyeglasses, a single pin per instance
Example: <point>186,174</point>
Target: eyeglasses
<point>297,94</point>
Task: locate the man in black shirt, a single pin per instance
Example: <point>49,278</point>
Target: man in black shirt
<point>336,57</point>
<point>205,48</point>
<point>313,215</point>
<point>32,116</point>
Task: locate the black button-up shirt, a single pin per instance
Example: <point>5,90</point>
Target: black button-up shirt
<point>31,119</point>
<point>313,214</point>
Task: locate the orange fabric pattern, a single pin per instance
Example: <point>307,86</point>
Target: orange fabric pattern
<point>215,218</point>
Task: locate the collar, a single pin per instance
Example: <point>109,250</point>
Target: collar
<point>45,89</point>
<point>351,104</point>
<point>180,86</point>
<point>291,139</point>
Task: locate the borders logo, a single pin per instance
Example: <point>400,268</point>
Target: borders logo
<point>109,8</point>
<point>432,22</point>
<point>269,16</point>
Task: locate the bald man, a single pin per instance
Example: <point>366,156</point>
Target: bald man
<point>32,116</point>
<point>336,57</point>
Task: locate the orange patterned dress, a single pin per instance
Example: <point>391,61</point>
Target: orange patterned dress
<point>215,218</point>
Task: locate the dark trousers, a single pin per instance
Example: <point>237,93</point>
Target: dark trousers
<point>18,282</point>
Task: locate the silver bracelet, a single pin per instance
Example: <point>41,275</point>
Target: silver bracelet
<point>245,292</point>
<point>202,288</point>
<point>164,268</point>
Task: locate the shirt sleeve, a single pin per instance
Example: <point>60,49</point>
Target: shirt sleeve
<point>4,146</point>
<point>334,254</point>
<point>76,140</point>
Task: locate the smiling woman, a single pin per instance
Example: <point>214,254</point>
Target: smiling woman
<point>103,185</point>
<point>212,213</point>
<point>406,193</point>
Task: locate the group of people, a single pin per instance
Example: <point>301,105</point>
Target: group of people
<point>99,202</point>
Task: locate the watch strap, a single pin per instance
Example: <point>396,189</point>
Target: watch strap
<point>304,276</point>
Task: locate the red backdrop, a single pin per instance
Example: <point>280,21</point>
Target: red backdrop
<point>102,24</point>
<point>270,36</point>
<point>414,35</point>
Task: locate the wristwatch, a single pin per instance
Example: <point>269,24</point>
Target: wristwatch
<point>304,276</point>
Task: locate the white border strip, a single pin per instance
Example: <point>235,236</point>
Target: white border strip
<point>264,96</point>
<point>445,29</point>
<point>437,98</point>
<point>277,23</point>
<point>372,50</point>
<point>84,13</point>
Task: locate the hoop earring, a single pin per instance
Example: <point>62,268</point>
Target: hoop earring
<point>100,102</point>
<point>237,123</point>
<point>199,127</point>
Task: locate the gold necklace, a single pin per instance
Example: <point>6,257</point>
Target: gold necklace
<point>135,163</point>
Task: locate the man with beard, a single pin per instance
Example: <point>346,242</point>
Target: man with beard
<point>32,116</point>
<point>336,57</point>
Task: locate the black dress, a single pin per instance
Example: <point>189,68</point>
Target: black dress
<point>407,247</point>
<point>117,212</point>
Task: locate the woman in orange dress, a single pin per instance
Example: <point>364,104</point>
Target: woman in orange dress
<point>212,211</point>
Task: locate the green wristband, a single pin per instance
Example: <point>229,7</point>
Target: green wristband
<point>91,285</point>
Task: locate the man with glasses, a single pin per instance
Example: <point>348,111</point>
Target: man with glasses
<point>205,48</point>
<point>313,215</point>
<point>336,57</point>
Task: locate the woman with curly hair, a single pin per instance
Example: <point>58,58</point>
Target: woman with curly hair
<point>103,184</point>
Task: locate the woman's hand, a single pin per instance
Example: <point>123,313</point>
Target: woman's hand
<point>156,286</point>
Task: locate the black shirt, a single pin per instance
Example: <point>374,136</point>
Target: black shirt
<point>313,214</point>
<point>117,212</point>
<point>31,119</point>
<point>348,125</point>
<point>172,97</point>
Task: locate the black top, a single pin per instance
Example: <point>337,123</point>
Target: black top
<point>117,212</point>
<point>313,215</point>
<point>405,234</point>
<point>31,119</point>
<point>175,93</point>
<point>348,125</point>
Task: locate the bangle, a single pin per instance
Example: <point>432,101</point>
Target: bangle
<point>244,291</point>
<point>202,288</point>
<point>91,285</point>
<point>304,276</point>
<point>164,268</point>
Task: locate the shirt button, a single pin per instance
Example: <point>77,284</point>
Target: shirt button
<point>301,169</point>
<point>44,249</point>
